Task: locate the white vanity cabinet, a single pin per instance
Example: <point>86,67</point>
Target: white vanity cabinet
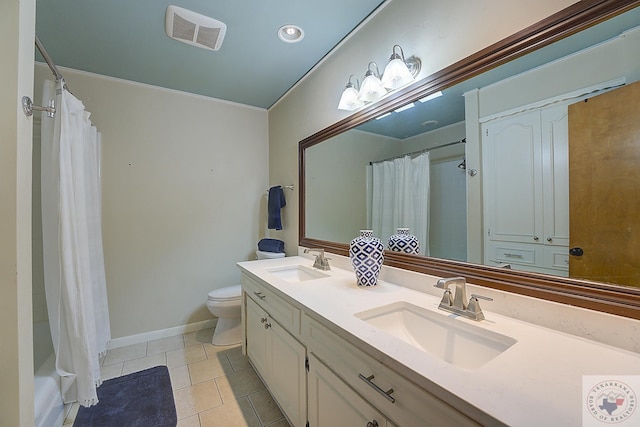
<point>333,403</point>
<point>526,190</point>
<point>344,366</point>
<point>277,356</point>
<point>320,378</point>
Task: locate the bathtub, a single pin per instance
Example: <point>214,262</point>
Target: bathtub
<point>48,406</point>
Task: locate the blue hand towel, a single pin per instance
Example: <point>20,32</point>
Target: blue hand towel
<point>271,245</point>
<point>275,203</point>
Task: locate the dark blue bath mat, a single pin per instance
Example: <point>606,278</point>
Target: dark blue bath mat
<point>141,399</point>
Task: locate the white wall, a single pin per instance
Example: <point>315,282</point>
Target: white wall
<point>183,180</point>
<point>438,32</point>
<point>336,183</point>
<point>17,29</point>
<point>619,57</point>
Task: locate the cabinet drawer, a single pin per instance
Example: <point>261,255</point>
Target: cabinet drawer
<point>407,406</point>
<point>558,258</point>
<point>504,253</point>
<point>284,313</point>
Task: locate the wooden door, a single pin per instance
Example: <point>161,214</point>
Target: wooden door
<point>604,187</point>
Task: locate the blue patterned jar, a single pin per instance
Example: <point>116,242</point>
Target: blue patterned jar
<point>367,254</point>
<point>404,242</point>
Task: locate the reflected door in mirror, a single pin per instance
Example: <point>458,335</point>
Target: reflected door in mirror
<point>605,187</point>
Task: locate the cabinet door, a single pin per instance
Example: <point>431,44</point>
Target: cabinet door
<point>257,337</point>
<point>287,378</point>
<point>555,171</point>
<point>513,178</point>
<point>334,404</point>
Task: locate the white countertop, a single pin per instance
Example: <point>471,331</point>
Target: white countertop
<point>536,382</point>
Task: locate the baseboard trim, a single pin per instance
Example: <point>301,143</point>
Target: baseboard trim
<point>162,333</point>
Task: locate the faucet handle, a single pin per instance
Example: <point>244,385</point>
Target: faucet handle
<point>476,296</point>
<point>324,262</point>
<point>474,306</point>
<point>321,262</point>
<point>447,298</point>
<point>320,251</point>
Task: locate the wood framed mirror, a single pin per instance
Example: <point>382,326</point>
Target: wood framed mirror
<point>606,297</point>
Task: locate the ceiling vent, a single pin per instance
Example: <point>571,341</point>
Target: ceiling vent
<point>194,29</point>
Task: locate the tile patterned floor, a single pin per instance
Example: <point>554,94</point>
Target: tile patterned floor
<point>212,386</point>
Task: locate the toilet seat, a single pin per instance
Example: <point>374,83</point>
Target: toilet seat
<point>228,293</point>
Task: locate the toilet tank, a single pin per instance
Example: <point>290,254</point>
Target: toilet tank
<point>268,255</point>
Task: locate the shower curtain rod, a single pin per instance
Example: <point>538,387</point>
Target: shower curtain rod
<point>48,59</point>
<point>28,107</point>
<point>415,153</point>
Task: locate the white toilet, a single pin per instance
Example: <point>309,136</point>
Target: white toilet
<point>224,303</point>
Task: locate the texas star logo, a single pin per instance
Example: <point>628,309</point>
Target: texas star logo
<point>611,401</point>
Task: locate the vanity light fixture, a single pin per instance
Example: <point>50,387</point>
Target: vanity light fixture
<point>434,95</point>
<point>405,107</point>
<point>383,116</point>
<point>371,89</point>
<point>399,71</point>
<point>349,100</point>
<point>290,33</point>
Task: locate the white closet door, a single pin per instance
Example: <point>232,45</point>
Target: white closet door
<point>555,171</point>
<point>513,179</point>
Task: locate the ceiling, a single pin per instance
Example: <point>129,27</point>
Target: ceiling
<point>126,39</point>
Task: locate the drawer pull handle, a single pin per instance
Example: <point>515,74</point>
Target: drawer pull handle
<point>386,394</point>
<point>263,319</point>
<point>508,255</point>
<point>373,423</point>
<point>267,325</point>
<point>260,295</point>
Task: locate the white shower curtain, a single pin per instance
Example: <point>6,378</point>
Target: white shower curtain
<point>400,198</point>
<point>75,282</point>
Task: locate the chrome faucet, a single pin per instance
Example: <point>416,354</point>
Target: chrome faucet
<point>457,303</point>
<point>321,262</point>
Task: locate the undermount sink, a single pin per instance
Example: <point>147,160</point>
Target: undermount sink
<point>456,342</point>
<point>297,273</point>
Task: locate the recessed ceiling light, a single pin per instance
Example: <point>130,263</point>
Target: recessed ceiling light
<point>290,33</point>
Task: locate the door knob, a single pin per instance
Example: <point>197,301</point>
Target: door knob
<point>576,252</point>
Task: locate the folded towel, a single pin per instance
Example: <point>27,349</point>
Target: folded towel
<point>275,203</point>
<point>271,245</point>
